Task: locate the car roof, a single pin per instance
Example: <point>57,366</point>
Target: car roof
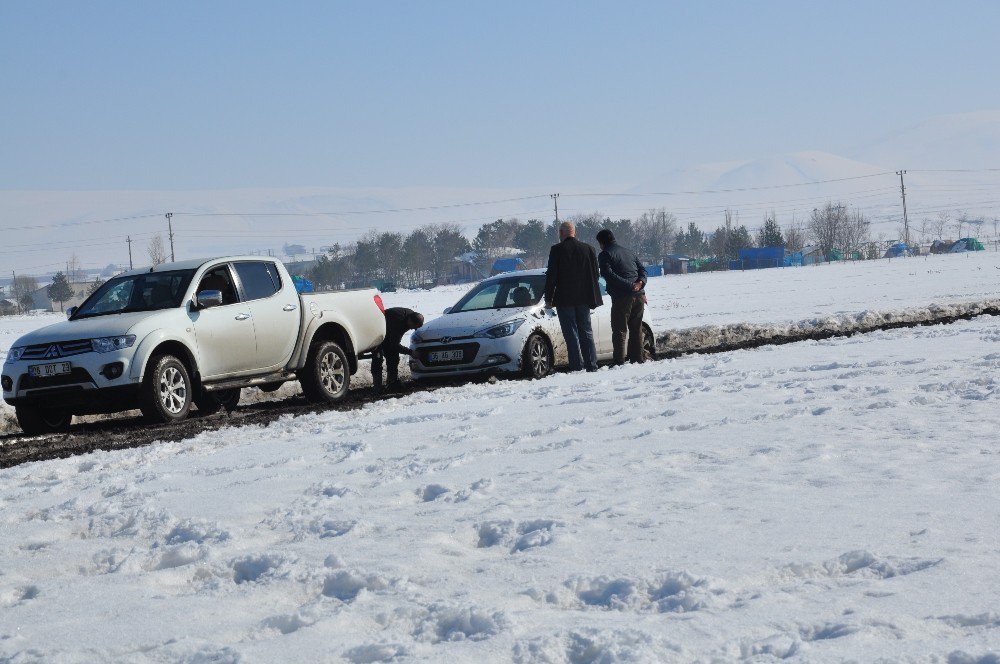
<point>517,273</point>
<point>192,264</point>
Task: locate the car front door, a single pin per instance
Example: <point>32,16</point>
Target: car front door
<point>225,335</point>
<point>275,310</point>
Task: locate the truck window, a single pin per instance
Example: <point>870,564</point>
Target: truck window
<point>219,279</point>
<point>260,279</point>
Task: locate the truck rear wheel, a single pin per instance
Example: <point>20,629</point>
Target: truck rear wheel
<point>165,395</point>
<point>36,421</point>
<point>326,376</point>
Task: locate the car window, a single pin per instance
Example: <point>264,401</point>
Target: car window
<point>260,279</point>
<point>507,293</point>
<point>219,279</point>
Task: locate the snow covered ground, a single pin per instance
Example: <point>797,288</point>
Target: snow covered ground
<point>819,501</point>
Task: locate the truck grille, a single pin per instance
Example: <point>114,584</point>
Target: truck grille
<point>57,350</point>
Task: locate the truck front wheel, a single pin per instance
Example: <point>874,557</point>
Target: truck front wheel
<point>36,421</point>
<point>326,375</point>
<point>165,395</point>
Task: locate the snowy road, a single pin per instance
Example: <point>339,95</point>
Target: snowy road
<point>823,500</point>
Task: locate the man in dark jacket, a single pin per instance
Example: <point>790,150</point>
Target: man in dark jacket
<point>571,287</point>
<point>398,321</point>
<point>626,279</point>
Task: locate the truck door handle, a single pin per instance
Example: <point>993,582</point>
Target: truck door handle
<point>242,316</point>
<point>289,307</point>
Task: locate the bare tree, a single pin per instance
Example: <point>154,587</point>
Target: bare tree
<point>156,251</point>
<point>22,291</point>
<point>960,223</point>
<point>655,232</point>
<point>939,224</point>
<point>795,236</point>
<point>833,227</point>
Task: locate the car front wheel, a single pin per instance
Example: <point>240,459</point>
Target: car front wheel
<point>648,345</point>
<point>537,357</point>
<point>166,391</point>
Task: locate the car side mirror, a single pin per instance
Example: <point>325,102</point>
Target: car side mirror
<point>70,312</point>
<point>208,298</point>
<point>447,310</point>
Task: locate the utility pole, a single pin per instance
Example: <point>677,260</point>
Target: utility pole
<point>128,238</point>
<point>555,201</point>
<point>906,221</point>
<point>170,232</point>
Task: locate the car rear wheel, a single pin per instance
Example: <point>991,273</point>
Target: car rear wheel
<point>326,376</point>
<point>536,361</point>
<point>165,395</point>
<point>36,421</point>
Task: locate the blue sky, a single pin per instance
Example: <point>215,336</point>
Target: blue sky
<point>209,95</point>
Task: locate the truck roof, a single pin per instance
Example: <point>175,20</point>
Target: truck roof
<point>194,264</point>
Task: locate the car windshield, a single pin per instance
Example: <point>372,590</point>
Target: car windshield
<point>508,293</point>
<point>137,292</point>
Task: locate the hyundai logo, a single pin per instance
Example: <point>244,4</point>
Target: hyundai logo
<point>53,351</point>
<point>446,340</point>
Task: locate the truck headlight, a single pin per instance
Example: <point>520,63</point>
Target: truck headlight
<point>14,354</point>
<point>502,330</point>
<point>108,344</point>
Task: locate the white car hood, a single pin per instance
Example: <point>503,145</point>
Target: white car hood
<point>467,323</point>
<point>85,328</point>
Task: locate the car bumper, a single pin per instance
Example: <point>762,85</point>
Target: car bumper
<point>97,382</point>
<point>480,356</point>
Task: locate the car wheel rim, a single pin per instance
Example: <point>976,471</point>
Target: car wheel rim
<point>648,344</point>
<point>332,373</point>
<point>173,390</point>
<point>539,358</point>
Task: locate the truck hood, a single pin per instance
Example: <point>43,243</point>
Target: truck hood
<point>467,323</point>
<point>86,328</point>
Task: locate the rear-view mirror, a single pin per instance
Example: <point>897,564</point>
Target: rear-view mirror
<point>208,298</point>
<point>70,312</point>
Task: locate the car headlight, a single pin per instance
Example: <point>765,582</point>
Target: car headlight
<point>502,330</point>
<point>14,354</point>
<point>108,344</point>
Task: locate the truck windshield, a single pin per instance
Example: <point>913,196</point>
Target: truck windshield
<point>509,293</point>
<point>137,292</point>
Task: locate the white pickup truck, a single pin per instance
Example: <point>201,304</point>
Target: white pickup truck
<point>162,338</point>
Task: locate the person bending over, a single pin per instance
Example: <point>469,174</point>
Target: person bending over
<point>398,321</point>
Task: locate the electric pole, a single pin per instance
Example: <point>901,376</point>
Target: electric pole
<point>555,201</point>
<point>906,221</point>
<point>170,232</point>
<point>128,238</point>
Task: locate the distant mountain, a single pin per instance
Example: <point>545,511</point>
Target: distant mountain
<point>962,140</point>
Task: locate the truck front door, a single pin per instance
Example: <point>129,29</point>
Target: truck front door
<point>225,335</point>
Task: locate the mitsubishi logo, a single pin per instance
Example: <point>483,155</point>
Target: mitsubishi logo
<point>446,340</point>
<point>53,351</point>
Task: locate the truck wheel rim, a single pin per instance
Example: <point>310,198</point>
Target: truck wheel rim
<point>332,373</point>
<point>539,357</point>
<point>173,390</point>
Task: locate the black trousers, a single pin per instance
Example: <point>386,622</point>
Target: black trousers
<point>626,320</point>
<point>390,355</point>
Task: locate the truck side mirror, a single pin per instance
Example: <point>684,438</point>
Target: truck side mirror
<point>207,298</point>
<point>70,312</point>
<point>447,310</point>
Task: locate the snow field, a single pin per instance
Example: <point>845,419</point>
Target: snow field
<point>820,501</point>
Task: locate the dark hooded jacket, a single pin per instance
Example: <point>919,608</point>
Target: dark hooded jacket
<point>621,268</point>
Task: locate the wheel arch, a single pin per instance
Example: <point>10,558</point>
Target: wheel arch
<point>338,334</point>
<point>181,352</point>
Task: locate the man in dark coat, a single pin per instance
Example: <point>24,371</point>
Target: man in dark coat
<point>626,279</point>
<point>398,321</point>
<point>571,286</point>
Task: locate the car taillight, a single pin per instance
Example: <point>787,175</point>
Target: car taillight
<point>379,304</point>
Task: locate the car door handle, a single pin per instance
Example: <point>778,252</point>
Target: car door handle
<point>242,316</point>
<point>289,307</point>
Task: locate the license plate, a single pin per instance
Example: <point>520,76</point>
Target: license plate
<point>50,370</point>
<point>446,355</point>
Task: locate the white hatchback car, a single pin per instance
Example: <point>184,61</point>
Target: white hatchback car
<point>501,326</point>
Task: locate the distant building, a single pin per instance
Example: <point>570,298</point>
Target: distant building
<point>40,297</point>
<point>676,264</point>
<point>7,307</point>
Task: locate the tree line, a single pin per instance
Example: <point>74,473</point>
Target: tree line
<point>428,254</point>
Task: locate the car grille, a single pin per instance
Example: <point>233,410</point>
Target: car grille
<point>429,340</point>
<point>74,377</point>
<point>57,350</point>
<point>468,354</point>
